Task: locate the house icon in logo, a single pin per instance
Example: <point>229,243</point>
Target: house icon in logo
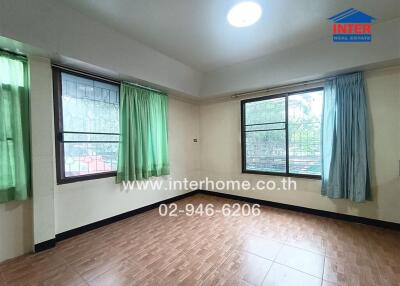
<point>351,25</point>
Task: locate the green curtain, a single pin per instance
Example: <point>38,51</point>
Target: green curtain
<point>143,147</point>
<point>15,174</point>
<point>345,164</point>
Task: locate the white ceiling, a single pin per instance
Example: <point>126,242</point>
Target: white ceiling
<point>196,32</point>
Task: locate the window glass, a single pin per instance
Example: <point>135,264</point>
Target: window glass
<point>276,142</point>
<point>305,110</point>
<point>266,135</point>
<point>90,126</point>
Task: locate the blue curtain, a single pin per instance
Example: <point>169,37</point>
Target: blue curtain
<point>345,165</point>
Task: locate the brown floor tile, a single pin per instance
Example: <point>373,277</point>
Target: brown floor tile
<point>246,266</point>
<point>2,283</point>
<point>181,270</point>
<point>303,260</point>
<point>219,278</point>
<point>265,248</point>
<point>63,276</point>
<point>151,250</point>
<point>314,243</point>
<point>96,263</point>
<point>343,272</point>
<point>126,273</point>
<point>327,283</point>
<point>27,268</point>
<point>282,275</point>
<point>389,271</point>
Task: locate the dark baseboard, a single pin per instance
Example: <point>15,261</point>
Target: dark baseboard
<point>76,231</point>
<point>339,216</point>
<point>73,232</point>
<point>44,245</point>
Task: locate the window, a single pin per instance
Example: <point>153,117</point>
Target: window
<point>281,134</point>
<point>87,126</point>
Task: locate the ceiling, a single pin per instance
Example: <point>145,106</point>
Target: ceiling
<point>196,33</point>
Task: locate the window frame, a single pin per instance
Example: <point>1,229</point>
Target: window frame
<point>243,133</point>
<point>58,125</point>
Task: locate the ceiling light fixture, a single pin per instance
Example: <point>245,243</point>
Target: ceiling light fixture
<point>244,14</point>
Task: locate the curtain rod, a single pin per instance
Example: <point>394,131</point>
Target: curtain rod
<point>237,95</point>
<point>15,54</point>
<point>65,68</point>
<point>114,81</point>
<point>145,87</point>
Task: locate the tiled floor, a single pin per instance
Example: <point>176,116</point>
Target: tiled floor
<point>276,248</point>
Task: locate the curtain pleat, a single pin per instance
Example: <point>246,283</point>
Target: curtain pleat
<point>15,174</point>
<point>143,148</point>
<point>345,164</point>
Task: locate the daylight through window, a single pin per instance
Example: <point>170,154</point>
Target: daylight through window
<point>88,132</point>
<point>281,134</point>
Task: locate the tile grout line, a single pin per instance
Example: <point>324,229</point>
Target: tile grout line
<point>231,246</point>
<point>286,243</point>
<point>266,274</point>
<point>298,270</point>
<point>273,261</point>
<point>301,248</point>
<point>72,268</point>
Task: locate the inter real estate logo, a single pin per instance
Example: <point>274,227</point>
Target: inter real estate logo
<point>351,25</point>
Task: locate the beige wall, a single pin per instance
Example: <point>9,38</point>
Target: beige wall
<point>64,207</point>
<point>81,203</point>
<point>221,154</point>
<point>24,224</point>
<point>69,36</point>
<point>16,236</point>
<point>217,155</point>
<point>42,149</point>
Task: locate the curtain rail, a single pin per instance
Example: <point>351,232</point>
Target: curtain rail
<point>145,87</point>
<point>114,81</point>
<point>86,74</point>
<point>320,80</point>
<point>14,54</point>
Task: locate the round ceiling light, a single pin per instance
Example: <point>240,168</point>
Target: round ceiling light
<point>244,14</point>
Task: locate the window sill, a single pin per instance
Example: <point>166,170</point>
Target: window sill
<point>303,176</point>
<point>68,180</point>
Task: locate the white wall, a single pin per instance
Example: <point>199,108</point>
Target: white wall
<point>58,208</point>
<point>17,219</point>
<point>69,34</point>
<point>16,236</point>
<point>217,155</point>
<point>42,148</point>
<point>221,154</point>
<point>309,61</point>
<point>64,32</point>
<point>72,35</point>
<point>81,203</point>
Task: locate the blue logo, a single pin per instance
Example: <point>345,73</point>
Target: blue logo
<point>351,25</point>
